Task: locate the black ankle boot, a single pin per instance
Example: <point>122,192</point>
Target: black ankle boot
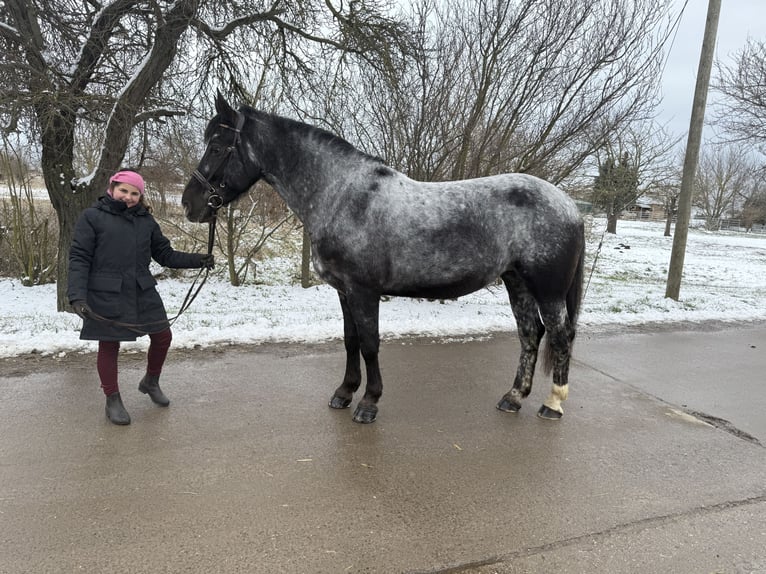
<point>150,385</point>
<point>115,410</point>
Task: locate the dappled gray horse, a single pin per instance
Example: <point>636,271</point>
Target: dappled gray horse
<point>374,232</point>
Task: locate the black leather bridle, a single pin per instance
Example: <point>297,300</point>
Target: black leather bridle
<point>214,200</point>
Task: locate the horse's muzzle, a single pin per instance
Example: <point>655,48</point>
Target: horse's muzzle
<point>202,216</point>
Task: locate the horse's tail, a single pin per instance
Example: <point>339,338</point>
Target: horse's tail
<point>573,301</point>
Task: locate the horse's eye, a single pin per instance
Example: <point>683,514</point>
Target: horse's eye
<point>215,150</point>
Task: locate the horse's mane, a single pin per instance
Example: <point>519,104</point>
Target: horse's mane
<point>307,131</point>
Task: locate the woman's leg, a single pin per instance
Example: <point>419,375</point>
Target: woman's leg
<point>106,364</point>
<point>158,350</point>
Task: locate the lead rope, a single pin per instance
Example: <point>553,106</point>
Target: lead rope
<point>595,258</point>
<point>598,251</point>
<point>191,294</point>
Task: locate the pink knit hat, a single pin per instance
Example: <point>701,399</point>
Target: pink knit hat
<point>130,177</point>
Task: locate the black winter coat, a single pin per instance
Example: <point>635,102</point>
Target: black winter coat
<point>109,268</point>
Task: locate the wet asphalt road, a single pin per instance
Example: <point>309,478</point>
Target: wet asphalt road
<point>249,471</point>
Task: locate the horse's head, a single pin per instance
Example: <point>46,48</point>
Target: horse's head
<point>224,172</point>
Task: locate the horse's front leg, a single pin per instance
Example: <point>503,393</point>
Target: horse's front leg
<point>363,307</point>
<point>341,399</point>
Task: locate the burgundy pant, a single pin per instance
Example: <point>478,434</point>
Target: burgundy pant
<point>106,362</point>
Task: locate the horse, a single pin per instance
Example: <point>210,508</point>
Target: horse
<point>375,232</point>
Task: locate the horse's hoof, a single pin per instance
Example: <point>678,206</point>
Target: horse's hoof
<point>508,406</point>
<point>339,403</point>
<point>548,414</point>
<point>365,415</point>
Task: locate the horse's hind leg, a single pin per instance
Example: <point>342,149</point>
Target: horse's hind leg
<point>561,334</point>
<point>341,399</point>
<point>360,315</point>
<point>530,331</point>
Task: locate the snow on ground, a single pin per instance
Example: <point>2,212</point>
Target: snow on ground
<point>724,280</point>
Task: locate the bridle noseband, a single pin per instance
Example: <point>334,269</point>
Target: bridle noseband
<point>214,199</point>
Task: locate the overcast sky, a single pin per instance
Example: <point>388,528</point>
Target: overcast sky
<point>739,20</point>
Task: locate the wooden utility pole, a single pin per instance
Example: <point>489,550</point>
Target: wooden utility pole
<point>675,270</point>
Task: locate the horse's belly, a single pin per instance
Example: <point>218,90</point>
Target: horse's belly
<point>446,290</point>
<point>436,273</point>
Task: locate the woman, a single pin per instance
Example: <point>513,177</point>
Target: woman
<point>110,284</point>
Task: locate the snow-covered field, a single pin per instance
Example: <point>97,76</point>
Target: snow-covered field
<point>724,280</point>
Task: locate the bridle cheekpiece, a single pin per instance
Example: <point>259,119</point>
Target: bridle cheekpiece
<point>214,199</point>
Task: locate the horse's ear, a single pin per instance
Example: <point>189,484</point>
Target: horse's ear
<point>222,106</point>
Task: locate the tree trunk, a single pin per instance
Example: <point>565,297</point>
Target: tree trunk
<point>67,217</point>
<point>66,223</point>
<point>669,216</point>
<point>611,223</point>
<point>230,249</point>
<point>306,260</point>
<point>58,174</point>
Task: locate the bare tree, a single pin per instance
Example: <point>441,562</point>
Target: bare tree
<point>532,86</point>
<point>723,179</point>
<point>669,194</point>
<point>635,163</point>
<point>741,115</point>
<point>742,111</point>
<point>754,206</point>
<point>112,71</point>
<point>615,186</point>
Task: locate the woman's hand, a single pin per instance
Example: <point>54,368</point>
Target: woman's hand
<point>207,261</point>
<point>82,309</point>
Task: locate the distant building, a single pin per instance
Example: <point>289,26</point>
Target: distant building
<point>585,207</point>
<point>645,208</point>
